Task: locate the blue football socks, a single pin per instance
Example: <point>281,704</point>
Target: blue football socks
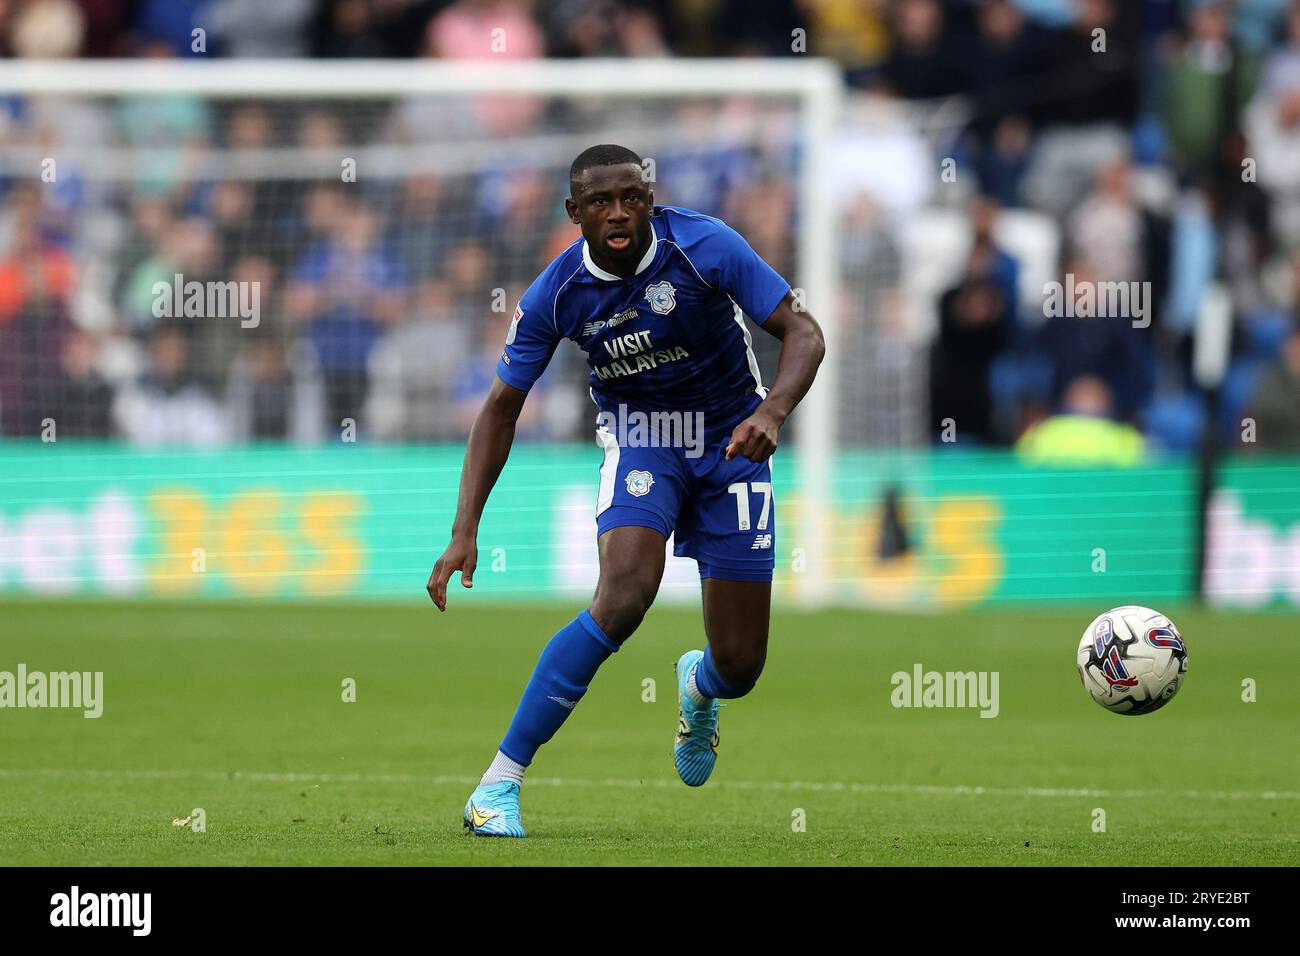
<point>568,663</point>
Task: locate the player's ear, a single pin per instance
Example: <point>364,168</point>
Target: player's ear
<point>571,208</point>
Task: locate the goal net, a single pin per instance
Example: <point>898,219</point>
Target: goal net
<point>242,261</point>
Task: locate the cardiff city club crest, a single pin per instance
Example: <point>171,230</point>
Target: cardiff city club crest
<point>662,297</point>
<point>639,483</point>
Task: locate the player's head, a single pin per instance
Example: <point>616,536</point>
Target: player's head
<point>612,202</point>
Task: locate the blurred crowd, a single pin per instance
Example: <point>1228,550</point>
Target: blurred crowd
<point>1141,142</point>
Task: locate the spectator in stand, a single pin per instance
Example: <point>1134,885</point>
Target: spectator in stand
<point>1049,13</point>
<point>1257,23</point>
<point>189,249</point>
<point>926,60</point>
<point>702,166</point>
<point>515,206</point>
<point>578,28</point>
<point>274,392</point>
<point>414,368</point>
<point>311,222</point>
<point>1272,127</point>
<point>1083,432</point>
<point>763,212</point>
<point>1119,237</point>
<point>107,27</point>
<point>169,405</point>
<point>169,130</point>
<point>342,293</point>
<point>1107,347</point>
<point>1281,70</point>
<point>971,334</point>
<point>170,23</point>
<point>497,30</point>
<point>757,27</point>
<point>478,372</point>
<point>80,399</point>
<point>1275,405</point>
<point>37,282</point>
<point>1107,229</point>
<point>150,219</point>
<point>641,33</point>
<point>241,227</point>
<point>1094,76</point>
<point>1086,103</point>
<point>1209,81</point>
<point>255,28</point>
<point>854,33</point>
<point>48,29</point>
<point>429,217</point>
<point>1011,57</point>
<point>217,339</point>
<point>249,127</point>
<point>470,282</point>
<point>988,260</point>
<point>349,29</point>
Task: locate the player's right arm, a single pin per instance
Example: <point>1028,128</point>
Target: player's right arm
<point>530,343</point>
<point>490,439</point>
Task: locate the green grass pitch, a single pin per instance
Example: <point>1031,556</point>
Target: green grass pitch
<point>237,709</point>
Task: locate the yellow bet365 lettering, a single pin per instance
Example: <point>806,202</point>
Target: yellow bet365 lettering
<point>326,517</point>
<point>253,547</point>
<point>186,525</point>
<point>971,562</point>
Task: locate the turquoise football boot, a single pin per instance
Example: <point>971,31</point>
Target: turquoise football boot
<point>696,749</point>
<point>493,811</point>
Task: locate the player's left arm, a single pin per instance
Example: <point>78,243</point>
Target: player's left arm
<point>802,349</point>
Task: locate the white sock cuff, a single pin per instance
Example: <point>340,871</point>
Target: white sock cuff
<point>503,768</point>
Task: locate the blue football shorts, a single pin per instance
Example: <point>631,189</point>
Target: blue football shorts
<point>721,512</point>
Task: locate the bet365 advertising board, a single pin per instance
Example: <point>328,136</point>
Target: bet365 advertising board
<point>923,530</point>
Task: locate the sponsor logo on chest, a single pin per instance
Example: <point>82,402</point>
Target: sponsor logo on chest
<point>591,328</point>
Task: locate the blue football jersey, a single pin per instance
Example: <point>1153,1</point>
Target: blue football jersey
<point>670,337</point>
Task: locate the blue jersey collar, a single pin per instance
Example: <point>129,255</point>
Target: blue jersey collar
<point>641,267</point>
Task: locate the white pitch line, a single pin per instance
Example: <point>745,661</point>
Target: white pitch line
<point>260,776</point>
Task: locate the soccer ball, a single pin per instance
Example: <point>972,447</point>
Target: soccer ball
<point>1132,660</point>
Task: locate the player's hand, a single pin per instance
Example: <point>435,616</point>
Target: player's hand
<point>461,555</point>
<point>755,437</point>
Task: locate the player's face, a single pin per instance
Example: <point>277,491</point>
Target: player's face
<point>612,204</point>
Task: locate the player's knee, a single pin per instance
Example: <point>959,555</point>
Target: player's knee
<point>619,609</point>
<point>739,668</point>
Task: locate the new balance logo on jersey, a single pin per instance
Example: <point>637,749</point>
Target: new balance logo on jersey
<point>762,542</point>
<point>591,328</point>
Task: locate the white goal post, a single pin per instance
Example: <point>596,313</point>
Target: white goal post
<point>816,85</point>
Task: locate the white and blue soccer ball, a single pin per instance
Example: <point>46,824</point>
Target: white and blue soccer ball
<point>1132,660</point>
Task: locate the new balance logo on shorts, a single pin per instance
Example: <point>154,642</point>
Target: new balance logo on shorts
<point>762,542</point>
